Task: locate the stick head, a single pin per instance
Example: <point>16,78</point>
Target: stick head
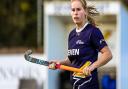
<point>34,60</point>
<point>27,53</point>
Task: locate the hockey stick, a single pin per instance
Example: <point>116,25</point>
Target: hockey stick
<point>46,63</point>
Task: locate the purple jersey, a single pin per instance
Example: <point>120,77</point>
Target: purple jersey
<point>82,47</point>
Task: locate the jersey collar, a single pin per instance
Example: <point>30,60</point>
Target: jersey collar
<point>82,27</point>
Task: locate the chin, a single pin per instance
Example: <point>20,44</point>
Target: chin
<point>77,22</point>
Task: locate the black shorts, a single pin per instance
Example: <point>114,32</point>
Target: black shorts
<point>90,82</point>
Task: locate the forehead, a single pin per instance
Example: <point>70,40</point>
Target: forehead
<point>76,4</point>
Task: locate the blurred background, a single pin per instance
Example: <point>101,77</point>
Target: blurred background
<point>43,26</point>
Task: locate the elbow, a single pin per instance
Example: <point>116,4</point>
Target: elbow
<point>110,56</point>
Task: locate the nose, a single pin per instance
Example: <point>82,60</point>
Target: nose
<point>75,12</point>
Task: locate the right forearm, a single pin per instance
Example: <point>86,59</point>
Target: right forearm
<point>66,61</point>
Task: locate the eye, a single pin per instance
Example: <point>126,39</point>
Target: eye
<point>78,9</point>
<point>73,9</point>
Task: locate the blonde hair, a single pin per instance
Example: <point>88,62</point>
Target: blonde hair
<point>92,11</point>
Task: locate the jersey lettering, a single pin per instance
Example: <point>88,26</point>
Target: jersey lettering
<point>79,42</point>
<point>73,52</point>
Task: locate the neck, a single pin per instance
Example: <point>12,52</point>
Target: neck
<point>80,25</point>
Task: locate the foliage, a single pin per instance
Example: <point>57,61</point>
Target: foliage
<point>18,23</point>
<point>125,3</point>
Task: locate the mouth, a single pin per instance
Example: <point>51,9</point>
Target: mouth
<point>76,18</point>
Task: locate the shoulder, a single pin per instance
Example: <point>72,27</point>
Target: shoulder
<point>91,30</point>
<point>72,32</point>
<point>94,30</point>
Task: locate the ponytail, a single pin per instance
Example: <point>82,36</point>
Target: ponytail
<point>92,12</point>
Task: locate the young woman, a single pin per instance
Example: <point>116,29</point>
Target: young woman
<point>84,43</point>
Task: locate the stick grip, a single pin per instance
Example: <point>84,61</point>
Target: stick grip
<point>63,67</point>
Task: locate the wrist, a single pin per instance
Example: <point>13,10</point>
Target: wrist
<point>93,66</point>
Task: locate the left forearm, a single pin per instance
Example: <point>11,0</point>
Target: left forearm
<point>104,58</point>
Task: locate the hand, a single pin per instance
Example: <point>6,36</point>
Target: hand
<point>87,70</point>
<point>52,65</point>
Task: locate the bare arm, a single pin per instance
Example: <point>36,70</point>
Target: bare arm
<point>66,61</point>
<point>104,58</point>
